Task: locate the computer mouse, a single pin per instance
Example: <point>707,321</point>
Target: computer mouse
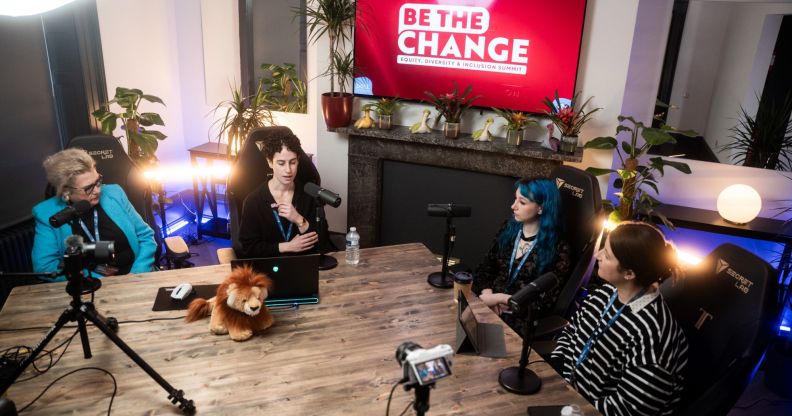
<point>181,291</point>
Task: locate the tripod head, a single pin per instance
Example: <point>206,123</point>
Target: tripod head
<point>79,256</point>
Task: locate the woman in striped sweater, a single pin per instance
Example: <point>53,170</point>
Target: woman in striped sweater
<point>623,351</point>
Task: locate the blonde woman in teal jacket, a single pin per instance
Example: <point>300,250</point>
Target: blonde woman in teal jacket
<point>112,217</point>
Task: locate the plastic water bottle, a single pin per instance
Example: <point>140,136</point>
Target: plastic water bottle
<point>571,410</point>
<point>352,246</point>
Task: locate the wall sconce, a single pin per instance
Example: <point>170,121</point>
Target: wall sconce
<point>739,204</point>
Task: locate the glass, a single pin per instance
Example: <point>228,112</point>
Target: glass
<point>514,137</point>
<point>88,190</point>
<point>451,130</point>
<point>569,144</point>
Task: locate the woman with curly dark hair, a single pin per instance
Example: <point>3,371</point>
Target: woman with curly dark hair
<point>275,215</point>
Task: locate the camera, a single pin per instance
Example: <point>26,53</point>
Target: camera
<point>424,366</point>
<point>448,210</point>
<point>91,253</point>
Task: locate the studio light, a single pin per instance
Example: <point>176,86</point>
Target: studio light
<point>739,204</point>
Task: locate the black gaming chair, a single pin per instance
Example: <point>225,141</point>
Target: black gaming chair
<point>251,170</point>
<point>727,307</point>
<point>117,167</point>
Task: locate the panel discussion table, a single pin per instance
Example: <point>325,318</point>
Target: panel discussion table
<point>334,358</point>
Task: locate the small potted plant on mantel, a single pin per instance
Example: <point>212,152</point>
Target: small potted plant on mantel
<point>385,107</point>
<point>569,119</point>
<point>451,106</point>
<point>516,122</point>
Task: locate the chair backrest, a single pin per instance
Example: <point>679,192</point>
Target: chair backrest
<point>251,170</point>
<point>117,167</point>
<point>727,306</point>
<point>581,217</point>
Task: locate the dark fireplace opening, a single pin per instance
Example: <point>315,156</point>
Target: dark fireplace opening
<point>407,188</point>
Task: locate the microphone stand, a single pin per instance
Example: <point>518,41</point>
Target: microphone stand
<point>520,380</point>
<point>325,262</point>
<point>441,279</point>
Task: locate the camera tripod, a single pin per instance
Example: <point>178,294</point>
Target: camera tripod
<point>79,311</point>
<point>421,402</point>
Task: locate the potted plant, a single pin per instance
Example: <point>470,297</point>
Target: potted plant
<point>336,18</point>
<point>141,143</point>
<point>451,106</point>
<point>241,114</point>
<point>385,107</point>
<point>284,89</point>
<point>568,118</point>
<point>516,122</point>
<point>635,179</point>
<point>764,141</point>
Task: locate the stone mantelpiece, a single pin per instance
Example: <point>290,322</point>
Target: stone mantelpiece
<point>369,148</point>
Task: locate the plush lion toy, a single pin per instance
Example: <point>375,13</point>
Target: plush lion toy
<point>238,308</point>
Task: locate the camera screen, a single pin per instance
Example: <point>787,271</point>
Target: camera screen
<point>429,371</point>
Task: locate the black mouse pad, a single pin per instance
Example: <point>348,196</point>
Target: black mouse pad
<point>164,302</point>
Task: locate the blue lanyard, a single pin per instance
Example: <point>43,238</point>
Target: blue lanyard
<point>286,235</point>
<point>600,330</point>
<point>96,227</point>
<point>513,276</point>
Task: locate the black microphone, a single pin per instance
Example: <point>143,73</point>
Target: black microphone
<point>528,294</point>
<point>328,197</point>
<point>448,210</point>
<point>69,213</point>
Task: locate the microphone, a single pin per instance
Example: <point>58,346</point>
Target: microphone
<point>528,294</point>
<point>448,210</point>
<point>69,213</point>
<point>328,197</point>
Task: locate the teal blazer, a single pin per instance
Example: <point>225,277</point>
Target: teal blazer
<point>48,245</point>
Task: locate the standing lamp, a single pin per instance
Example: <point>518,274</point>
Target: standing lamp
<point>739,204</point>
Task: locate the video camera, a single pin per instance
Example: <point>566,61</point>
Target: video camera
<point>424,366</point>
<point>90,253</point>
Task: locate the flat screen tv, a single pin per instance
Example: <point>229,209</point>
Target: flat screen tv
<point>513,52</point>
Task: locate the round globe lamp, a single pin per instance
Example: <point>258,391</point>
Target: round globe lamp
<point>739,204</point>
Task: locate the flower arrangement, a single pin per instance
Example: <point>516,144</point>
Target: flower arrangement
<point>452,105</point>
<point>569,119</point>
<point>515,120</point>
<point>387,106</point>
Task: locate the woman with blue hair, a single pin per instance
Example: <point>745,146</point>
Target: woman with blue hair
<point>527,245</point>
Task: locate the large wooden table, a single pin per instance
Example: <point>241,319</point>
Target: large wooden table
<point>335,358</point>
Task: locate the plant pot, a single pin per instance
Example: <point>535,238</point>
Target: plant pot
<point>568,144</point>
<point>451,130</point>
<point>514,137</point>
<point>384,121</point>
<point>337,109</point>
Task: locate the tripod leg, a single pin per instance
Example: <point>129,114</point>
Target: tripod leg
<point>174,395</point>
<point>83,336</point>
<point>66,316</point>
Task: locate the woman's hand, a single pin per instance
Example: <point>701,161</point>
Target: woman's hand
<point>290,213</point>
<point>299,243</point>
<point>498,302</point>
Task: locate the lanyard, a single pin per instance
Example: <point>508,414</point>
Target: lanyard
<point>513,276</point>
<point>600,330</point>
<point>286,235</point>
<point>96,228</point>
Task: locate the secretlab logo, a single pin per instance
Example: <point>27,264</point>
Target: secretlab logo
<point>101,154</point>
<point>576,192</point>
<point>455,37</point>
<point>742,283</point>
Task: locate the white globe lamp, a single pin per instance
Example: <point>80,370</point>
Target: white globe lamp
<point>739,204</point>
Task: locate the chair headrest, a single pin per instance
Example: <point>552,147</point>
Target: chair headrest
<point>727,306</point>
<point>581,203</point>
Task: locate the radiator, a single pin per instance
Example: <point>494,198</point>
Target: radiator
<point>16,243</point>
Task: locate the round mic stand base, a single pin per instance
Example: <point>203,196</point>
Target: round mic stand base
<point>326,262</point>
<point>441,280</point>
<point>514,382</point>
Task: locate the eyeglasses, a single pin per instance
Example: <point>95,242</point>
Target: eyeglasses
<point>88,190</point>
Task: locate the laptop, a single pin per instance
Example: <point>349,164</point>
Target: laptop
<point>295,278</point>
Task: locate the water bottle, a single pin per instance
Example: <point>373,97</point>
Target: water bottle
<point>352,246</point>
<point>571,410</point>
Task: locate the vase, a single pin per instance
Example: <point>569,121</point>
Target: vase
<point>384,121</point>
<point>568,144</point>
<point>451,130</point>
<point>514,137</point>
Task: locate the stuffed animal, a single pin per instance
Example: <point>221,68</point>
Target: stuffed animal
<point>238,308</point>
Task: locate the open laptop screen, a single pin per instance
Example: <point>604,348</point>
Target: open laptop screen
<point>295,278</point>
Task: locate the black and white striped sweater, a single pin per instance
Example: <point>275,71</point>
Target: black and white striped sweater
<point>634,367</point>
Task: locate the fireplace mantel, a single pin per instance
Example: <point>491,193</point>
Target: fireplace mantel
<point>368,148</point>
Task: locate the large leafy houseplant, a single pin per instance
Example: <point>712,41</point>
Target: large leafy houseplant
<point>764,141</point>
<point>240,115</point>
<point>142,143</point>
<point>285,90</point>
<point>636,179</point>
